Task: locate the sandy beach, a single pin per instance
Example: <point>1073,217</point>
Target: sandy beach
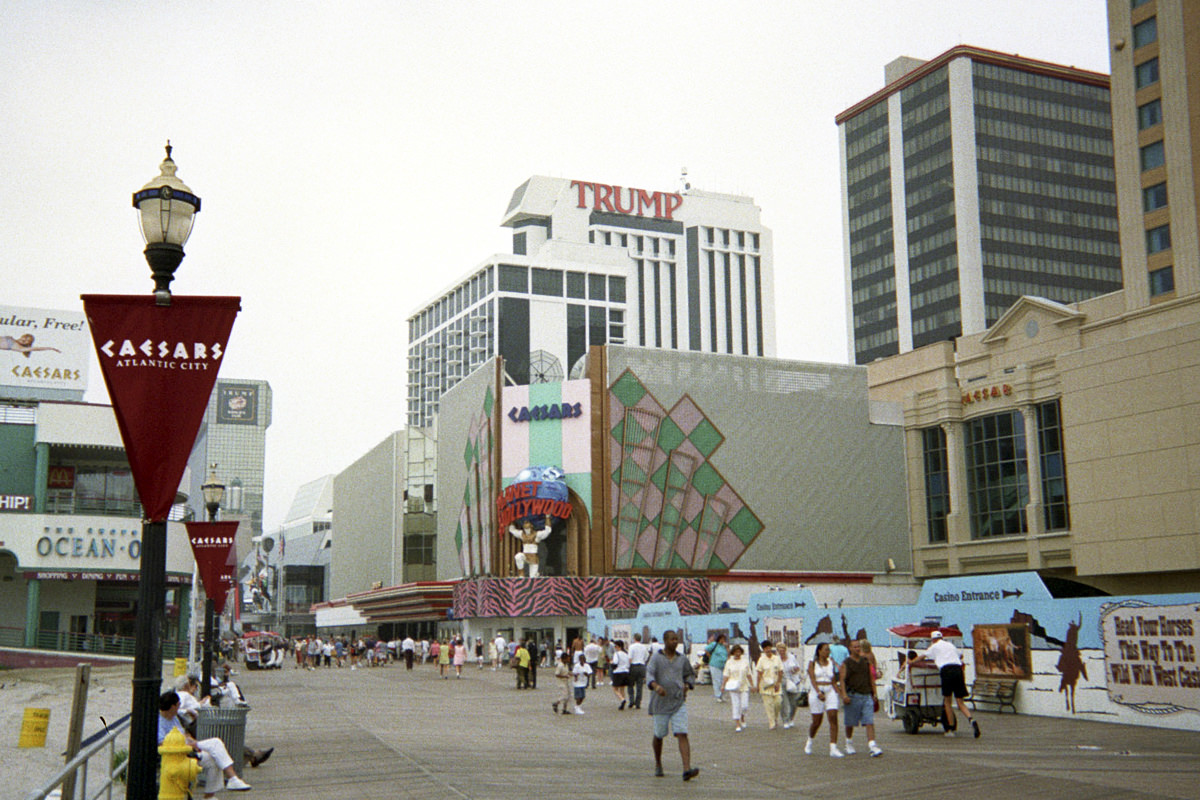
<point>23,769</point>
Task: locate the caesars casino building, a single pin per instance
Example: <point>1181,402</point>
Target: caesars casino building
<point>595,264</point>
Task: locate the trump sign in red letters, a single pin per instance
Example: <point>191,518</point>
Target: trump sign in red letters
<point>159,364</point>
<point>212,545</point>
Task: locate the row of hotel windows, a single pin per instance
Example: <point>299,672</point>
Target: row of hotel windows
<point>998,474</point>
<point>874,138</point>
<point>1152,156</point>
<point>715,237</point>
<point>875,289</point>
<point>550,282</point>
<point>1042,109</point>
<point>871,168</point>
<point>927,138</point>
<point>914,114</point>
<point>1045,83</point>
<point>1054,190</point>
<point>640,244</point>
<point>1041,265</point>
<point>470,292</point>
<point>1002,155</point>
<point>1045,137</point>
<point>879,340</point>
<point>935,321</point>
<point>1056,216</point>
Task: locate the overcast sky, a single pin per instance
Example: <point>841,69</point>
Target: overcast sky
<point>354,158</point>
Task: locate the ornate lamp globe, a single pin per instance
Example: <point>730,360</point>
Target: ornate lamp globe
<point>166,209</point>
<point>213,491</point>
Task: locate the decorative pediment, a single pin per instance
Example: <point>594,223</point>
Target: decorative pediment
<point>1027,315</point>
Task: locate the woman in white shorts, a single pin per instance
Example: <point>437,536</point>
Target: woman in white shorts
<point>737,679</point>
<point>825,679</point>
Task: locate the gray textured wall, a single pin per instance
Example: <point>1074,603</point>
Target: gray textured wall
<point>827,484</point>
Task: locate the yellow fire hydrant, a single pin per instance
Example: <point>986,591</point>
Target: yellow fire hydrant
<point>178,770</point>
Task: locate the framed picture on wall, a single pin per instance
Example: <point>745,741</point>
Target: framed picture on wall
<point>1003,651</point>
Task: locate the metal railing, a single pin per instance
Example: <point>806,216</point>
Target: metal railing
<point>93,643</point>
<point>77,769</point>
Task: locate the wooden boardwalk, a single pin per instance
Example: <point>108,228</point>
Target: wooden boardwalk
<point>386,733</point>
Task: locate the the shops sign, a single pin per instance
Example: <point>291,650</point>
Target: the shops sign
<point>627,200</point>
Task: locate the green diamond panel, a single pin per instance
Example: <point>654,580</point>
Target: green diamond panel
<point>707,480</point>
<point>745,525</point>
<point>628,389</point>
<point>706,438</point>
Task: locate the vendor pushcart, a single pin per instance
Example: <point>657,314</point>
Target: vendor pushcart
<point>916,690</point>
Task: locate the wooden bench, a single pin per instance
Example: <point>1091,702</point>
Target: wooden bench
<point>997,691</point>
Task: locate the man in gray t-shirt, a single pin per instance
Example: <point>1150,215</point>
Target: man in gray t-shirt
<point>669,675</point>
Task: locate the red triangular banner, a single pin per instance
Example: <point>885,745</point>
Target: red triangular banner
<point>212,545</point>
<point>159,364</point>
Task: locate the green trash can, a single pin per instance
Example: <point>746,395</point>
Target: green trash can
<point>228,725</point>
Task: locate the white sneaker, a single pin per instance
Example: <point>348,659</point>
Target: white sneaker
<point>850,748</point>
<point>808,748</point>
<point>738,729</point>
<point>949,733</point>
<point>236,784</point>
<point>834,752</point>
<point>578,710</point>
<point>787,725</point>
<point>876,750</point>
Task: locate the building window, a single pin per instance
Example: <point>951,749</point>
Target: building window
<point>514,279</point>
<point>997,475</point>
<point>1145,32</point>
<point>420,557</point>
<point>1055,512</point>
<point>548,282</point>
<point>576,285</point>
<point>1154,197</point>
<point>596,287</point>
<point>1145,73</point>
<point>616,289</point>
<point>1158,239</point>
<point>1153,156</point>
<point>1162,281</point>
<point>937,483</point>
<point>1149,114</point>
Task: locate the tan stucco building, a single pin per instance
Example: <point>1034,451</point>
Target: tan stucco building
<point>1066,438</point>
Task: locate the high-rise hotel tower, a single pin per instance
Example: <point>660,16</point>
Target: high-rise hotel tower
<point>594,264</point>
<point>1156,129</point>
<point>968,181</point>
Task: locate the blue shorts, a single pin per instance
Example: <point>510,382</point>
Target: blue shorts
<point>677,723</point>
<point>580,692</point>
<point>860,710</point>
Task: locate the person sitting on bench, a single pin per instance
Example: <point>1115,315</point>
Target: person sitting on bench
<point>214,758</point>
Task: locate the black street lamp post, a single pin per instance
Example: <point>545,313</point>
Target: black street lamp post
<point>166,209</point>
<point>213,491</point>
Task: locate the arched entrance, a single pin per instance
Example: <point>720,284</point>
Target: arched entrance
<point>568,543</point>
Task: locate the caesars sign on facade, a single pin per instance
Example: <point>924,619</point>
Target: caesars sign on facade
<point>43,349</point>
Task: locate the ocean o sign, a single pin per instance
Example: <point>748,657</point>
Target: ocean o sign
<point>537,493</point>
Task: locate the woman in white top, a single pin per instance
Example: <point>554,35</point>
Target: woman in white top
<point>739,676</point>
<point>825,679</point>
<point>620,672</point>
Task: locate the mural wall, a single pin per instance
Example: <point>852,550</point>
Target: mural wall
<point>1132,660</point>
